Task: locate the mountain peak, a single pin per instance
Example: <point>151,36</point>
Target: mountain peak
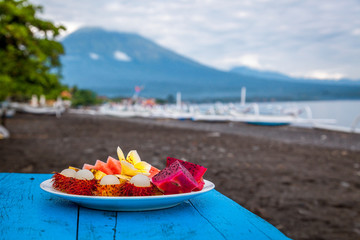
<point>107,43</point>
<point>98,30</point>
<point>112,63</point>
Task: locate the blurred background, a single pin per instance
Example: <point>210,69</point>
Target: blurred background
<point>184,79</point>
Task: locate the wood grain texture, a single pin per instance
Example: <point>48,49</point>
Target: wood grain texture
<point>96,224</point>
<point>232,220</point>
<point>180,222</point>
<point>27,212</point>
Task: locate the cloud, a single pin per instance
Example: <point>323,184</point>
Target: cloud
<point>70,27</point>
<point>242,14</point>
<point>249,60</point>
<point>288,35</point>
<point>321,75</point>
<point>356,32</point>
<point>121,56</point>
<point>94,56</point>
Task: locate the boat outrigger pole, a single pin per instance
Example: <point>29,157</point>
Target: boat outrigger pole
<point>243,96</point>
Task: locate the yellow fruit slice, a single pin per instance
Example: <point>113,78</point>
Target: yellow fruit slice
<point>120,154</point>
<point>143,173</point>
<point>133,157</point>
<point>123,178</point>
<point>127,168</point>
<point>98,175</point>
<point>74,168</point>
<point>143,166</point>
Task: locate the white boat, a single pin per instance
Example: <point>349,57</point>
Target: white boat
<point>273,115</point>
<point>212,118</point>
<point>42,110</point>
<point>38,110</point>
<point>8,113</point>
<point>352,129</point>
<point>4,133</point>
<point>215,113</point>
<point>116,111</point>
<point>6,109</point>
<point>256,118</point>
<point>83,111</point>
<point>265,120</point>
<point>336,128</point>
<point>251,114</point>
<point>120,114</point>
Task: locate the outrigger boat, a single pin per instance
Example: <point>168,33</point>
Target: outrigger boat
<point>352,129</point>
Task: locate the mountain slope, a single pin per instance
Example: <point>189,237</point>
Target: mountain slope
<point>246,71</point>
<point>113,63</point>
<point>258,73</point>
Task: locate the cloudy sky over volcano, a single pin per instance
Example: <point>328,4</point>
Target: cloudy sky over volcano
<point>306,38</point>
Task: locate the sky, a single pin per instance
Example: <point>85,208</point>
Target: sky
<point>302,38</point>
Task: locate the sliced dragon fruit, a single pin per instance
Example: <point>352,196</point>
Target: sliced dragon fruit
<point>197,171</point>
<point>175,179</point>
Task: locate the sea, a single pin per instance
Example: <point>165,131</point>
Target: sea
<point>344,112</point>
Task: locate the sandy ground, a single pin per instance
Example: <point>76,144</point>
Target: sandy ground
<point>305,182</point>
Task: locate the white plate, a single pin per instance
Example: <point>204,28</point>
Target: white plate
<point>130,203</point>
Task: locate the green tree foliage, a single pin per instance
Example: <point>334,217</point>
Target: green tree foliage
<point>83,97</point>
<point>29,52</point>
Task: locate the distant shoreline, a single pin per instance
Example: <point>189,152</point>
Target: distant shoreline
<point>284,134</point>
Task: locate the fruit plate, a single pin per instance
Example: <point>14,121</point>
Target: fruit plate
<point>131,203</point>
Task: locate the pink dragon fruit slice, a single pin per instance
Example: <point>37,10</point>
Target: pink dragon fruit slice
<point>197,171</point>
<point>175,179</point>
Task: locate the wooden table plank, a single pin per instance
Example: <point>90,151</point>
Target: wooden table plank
<point>27,212</point>
<point>180,222</point>
<point>234,221</point>
<point>96,224</point>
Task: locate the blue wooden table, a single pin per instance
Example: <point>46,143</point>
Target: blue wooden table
<point>28,212</point>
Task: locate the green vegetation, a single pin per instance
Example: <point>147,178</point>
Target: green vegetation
<point>83,97</point>
<point>29,52</point>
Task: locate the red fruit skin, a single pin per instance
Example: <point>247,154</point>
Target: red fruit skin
<point>107,190</point>
<point>73,186</point>
<point>174,179</point>
<point>196,170</point>
<point>129,189</point>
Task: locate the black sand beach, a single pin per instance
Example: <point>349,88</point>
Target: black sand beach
<point>305,182</point>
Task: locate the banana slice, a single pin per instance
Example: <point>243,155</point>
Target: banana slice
<point>133,157</point>
<point>127,168</point>
<point>143,166</point>
<point>120,154</point>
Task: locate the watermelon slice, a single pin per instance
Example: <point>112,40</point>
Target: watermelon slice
<point>153,171</point>
<point>101,166</point>
<point>114,165</point>
<point>88,166</point>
